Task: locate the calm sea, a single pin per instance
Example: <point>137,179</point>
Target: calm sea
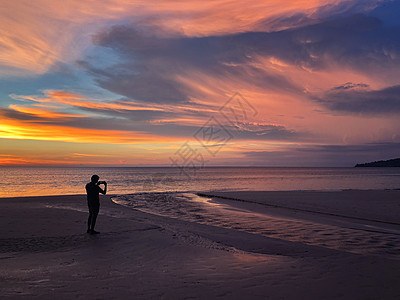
<point>28,181</point>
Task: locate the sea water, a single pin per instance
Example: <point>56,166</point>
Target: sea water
<point>32,181</point>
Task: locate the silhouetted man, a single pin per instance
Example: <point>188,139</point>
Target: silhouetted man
<point>93,189</point>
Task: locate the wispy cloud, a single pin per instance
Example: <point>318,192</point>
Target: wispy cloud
<point>75,118</point>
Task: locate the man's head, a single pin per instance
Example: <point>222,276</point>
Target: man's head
<point>95,178</point>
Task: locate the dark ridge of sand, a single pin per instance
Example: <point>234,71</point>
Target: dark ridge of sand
<point>46,253</point>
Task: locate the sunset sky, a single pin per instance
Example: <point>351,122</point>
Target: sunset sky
<point>217,83</point>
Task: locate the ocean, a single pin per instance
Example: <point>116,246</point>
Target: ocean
<point>33,181</point>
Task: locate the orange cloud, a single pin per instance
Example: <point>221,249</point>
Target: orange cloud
<point>15,129</point>
<point>201,18</point>
<point>26,160</point>
<point>45,160</point>
<point>68,99</point>
<point>11,160</point>
<point>56,102</point>
<point>51,120</point>
<point>43,113</point>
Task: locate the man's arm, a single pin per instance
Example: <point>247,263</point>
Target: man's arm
<point>105,189</point>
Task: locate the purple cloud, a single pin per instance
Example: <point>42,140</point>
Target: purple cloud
<point>357,98</point>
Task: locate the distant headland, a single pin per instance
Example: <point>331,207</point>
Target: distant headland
<point>382,163</point>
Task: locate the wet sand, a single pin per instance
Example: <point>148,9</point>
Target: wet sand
<point>45,251</point>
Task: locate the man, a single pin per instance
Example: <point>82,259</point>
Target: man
<point>93,189</point>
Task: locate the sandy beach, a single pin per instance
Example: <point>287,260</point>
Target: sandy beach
<point>318,245</point>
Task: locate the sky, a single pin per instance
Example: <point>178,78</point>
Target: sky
<point>199,83</point>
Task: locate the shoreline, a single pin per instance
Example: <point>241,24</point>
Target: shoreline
<point>201,192</point>
<point>45,252</point>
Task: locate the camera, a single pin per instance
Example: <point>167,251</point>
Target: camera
<point>101,182</point>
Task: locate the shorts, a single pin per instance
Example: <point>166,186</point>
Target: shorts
<point>94,208</point>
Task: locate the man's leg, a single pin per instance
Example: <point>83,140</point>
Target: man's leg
<point>94,212</point>
<point>89,221</point>
<point>94,217</point>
